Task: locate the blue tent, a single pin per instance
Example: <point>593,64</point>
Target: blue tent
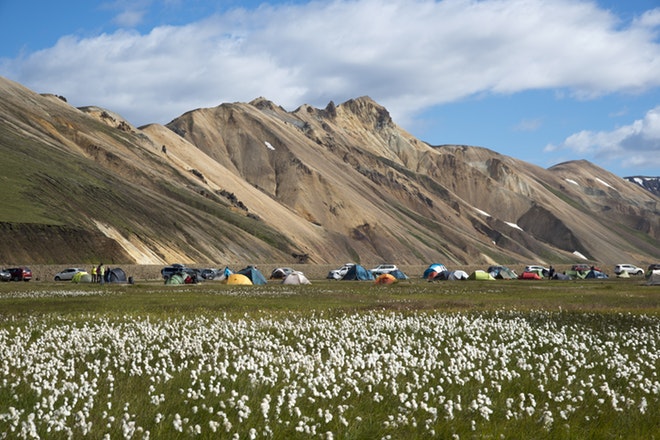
<point>435,267</point>
<point>595,274</point>
<point>399,275</point>
<point>443,275</point>
<point>253,274</point>
<point>358,273</point>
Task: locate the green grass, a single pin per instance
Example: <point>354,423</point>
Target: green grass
<point>149,297</point>
<point>499,359</point>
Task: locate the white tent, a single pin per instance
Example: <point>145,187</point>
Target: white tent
<point>458,275</point>
<point>296,278</point>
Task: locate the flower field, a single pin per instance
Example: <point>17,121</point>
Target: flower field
<point>329,373</point>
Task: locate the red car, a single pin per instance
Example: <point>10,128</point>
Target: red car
<point>20,273</point>
<point>584,268</point>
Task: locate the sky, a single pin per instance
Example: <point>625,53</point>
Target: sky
<point>545,81</point>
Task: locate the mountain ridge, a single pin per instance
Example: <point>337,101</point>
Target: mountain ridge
<point>649,183</point>
<point>248,182</point>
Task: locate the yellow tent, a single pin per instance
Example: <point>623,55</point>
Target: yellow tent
<point>81,277</point>
<point>237,278</point>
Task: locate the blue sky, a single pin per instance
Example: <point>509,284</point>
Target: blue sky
<point>544,81</point>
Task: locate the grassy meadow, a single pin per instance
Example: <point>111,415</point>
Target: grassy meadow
<point>335,359</point>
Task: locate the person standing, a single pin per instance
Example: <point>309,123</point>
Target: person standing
<point>94,279</point>
<point>100,272</point>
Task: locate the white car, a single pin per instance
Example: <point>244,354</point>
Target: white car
<point>68,274</point>
<point>535,268</point>
<point>384,268</point>
<point>630,268</point>
<point>338,274</point>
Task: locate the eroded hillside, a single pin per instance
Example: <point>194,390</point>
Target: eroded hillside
<point>252,182</point>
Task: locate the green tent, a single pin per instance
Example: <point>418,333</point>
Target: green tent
<point>576,274</point>
<point>81,277</point>
<point>174,279</point>
<point>481,275</point>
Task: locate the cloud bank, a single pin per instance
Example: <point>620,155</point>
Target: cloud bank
<point>636,145</point>
<point>407,55</point>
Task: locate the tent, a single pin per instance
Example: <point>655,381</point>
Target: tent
<point>654,279</point>
<point>595,274</point>
<point>623,274</point>
<point>116,275</point>
<point>174,279</point>
<point>481,275</point>
<point>434,267</point>
<point>399,275</point>
<point>253,274</point>
<point>439,276</point>
<point>296,278</point>
<point>531,275</point>
<point>458,275</point>
<point>238,279</point>
<point>358,273</point>
<point>560,276</point>
<point>81,277</point>
<point>280,273</point>
<point>576,274</point>
<point>386,278</point>
<point>502,273</point>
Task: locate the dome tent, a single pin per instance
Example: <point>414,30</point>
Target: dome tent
<point>253,274</point>
<point>433,267</point>
<point>82,277</point>
<point>481,275</point>
<point>238,279</point>
<point>116,275</point>
<point>358,273</point>
<point>385,278</point>
<point>295,278</point>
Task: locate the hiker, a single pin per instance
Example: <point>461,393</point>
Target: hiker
<point>100,272</point>
<point>551,272</point>
<point>94,279</point>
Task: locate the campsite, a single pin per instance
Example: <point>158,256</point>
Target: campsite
<point>331,359</point>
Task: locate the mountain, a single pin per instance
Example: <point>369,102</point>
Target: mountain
<point>251,182</point>
<point>649,183</point>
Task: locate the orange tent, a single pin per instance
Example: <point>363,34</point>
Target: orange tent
<point>385,278</point>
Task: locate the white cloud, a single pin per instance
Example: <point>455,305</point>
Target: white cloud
<point>528,125</point>
<point>636,145</point>
<point>408,55</point>
<point>129,18</point>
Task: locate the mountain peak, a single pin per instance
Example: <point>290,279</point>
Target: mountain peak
<point>369,111</point>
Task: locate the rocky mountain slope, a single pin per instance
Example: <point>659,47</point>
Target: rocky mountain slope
<point>649,183</point>
<point>250,182</point>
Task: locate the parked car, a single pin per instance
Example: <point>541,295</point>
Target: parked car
<point>651,269</point>
<point>68,274</point>
<point>209,274</point>
<point>20,273</point>
<point>5,275</point>
<point>630,268</point>
<point>383,268</point>
<point>536,268</point>
<point>338,274</point>
<point>168,271</point>
<point>581,267</point>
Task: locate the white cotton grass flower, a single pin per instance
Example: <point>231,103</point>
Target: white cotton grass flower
<point>307,373</point>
